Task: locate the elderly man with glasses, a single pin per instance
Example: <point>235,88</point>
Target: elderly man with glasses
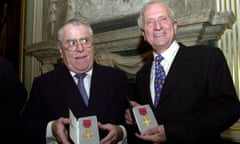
<point>46,116</point>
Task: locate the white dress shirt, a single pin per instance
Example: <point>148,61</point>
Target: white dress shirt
<point>87,81</point>
<point>168,56</point>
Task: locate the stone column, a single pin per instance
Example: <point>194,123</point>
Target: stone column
<point>46,52</point>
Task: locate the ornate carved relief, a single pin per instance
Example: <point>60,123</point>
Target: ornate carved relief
<point>102,10</point>
<point>52,15</point>
<point>129,64</point>
<point>198,23</point>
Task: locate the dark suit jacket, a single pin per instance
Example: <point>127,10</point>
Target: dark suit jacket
<point>198,100</point>
<point>53,93</point>
<point>13,97</point>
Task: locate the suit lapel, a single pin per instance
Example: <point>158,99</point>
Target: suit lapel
<point>144,83</point>
<point>176,72</point>
<point>68,91</point>
<point>147,80</point>
<point>97,97</point>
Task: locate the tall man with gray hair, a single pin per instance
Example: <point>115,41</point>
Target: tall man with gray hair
<point>193,97</point>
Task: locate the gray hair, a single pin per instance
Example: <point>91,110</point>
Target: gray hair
<point>170,11</point>
<point>76,22</point>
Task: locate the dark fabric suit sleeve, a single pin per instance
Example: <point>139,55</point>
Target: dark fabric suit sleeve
<point>220,112</point>
<point>33,126</point>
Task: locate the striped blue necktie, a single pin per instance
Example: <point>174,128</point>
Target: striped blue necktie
<point>82,88</point>
<point>159,79</point>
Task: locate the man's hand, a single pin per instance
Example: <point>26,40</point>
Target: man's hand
<point>115,133</point>
<point>128,116</point>
<point>156,135</point>
<point>59,130</point>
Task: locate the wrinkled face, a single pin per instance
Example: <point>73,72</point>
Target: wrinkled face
<point>159,29</point>
<point>77,48</point>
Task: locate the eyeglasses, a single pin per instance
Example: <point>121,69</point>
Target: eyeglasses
<point>72,44</point>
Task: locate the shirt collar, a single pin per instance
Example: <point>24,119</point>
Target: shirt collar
<point>89,73</point>
<point>170,52</point>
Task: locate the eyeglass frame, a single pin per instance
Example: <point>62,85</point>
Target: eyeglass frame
<point>71,44</point>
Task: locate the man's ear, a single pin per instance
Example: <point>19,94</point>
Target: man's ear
<point>60,50</point>
<point>143,34</point>
<point>175,26</point>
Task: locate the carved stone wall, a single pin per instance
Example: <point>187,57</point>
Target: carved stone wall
<point>116,31</point>
<point>118,41</point>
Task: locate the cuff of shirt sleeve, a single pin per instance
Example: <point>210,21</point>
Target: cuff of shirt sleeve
<point>124,139</point>
<point>50,139</point>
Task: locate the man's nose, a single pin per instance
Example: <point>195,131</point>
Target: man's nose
<point>79,47</point>
<point>157,25</point>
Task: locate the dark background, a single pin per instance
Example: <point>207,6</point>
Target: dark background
<point>10,41</point>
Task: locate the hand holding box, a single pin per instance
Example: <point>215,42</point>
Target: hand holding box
<point>144,118</point>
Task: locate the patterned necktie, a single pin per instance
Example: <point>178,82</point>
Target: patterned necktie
<point>159,79</point>
<point>82,88</point>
